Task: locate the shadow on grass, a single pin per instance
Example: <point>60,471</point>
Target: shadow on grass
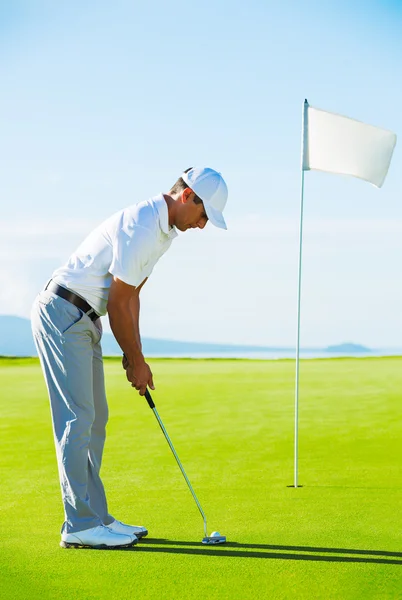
<point>234,549</point>
<point>353,487</point>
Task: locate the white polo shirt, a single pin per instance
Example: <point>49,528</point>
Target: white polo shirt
<point>127,245</point>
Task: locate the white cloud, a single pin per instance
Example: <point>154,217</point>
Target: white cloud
<point>249,224</point>
<point>37,227</point>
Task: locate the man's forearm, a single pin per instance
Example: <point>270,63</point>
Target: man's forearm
<point>124,322</point>
<point>135,313</point>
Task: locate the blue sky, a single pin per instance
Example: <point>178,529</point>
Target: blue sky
<point>105,104</point>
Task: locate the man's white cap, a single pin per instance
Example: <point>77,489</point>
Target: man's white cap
<point>210,186</point>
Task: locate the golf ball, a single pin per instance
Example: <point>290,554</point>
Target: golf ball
<point>215,534</point>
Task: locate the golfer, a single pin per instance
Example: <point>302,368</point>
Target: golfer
<point>105,275</point>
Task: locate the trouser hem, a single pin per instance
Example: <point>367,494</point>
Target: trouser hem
<point>67,528</point>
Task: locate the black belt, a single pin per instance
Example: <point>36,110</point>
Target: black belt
<point>73,298</point>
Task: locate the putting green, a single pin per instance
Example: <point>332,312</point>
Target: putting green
<point>231,421</point>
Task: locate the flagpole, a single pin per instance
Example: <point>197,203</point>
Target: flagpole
<point>296,437</point>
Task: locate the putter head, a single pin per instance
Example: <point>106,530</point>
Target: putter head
<point>214,538</point>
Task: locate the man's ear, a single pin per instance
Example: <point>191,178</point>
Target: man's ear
<point>186,195</point>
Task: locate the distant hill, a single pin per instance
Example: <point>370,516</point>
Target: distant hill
<point>349,348</point>
<point>16,340</point>
<point>16,337</point>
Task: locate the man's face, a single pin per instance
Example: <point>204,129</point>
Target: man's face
<point>190,215</point>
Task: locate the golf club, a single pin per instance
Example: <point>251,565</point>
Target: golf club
<point>215,537</point>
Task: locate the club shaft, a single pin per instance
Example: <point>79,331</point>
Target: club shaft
<point>165,433</point>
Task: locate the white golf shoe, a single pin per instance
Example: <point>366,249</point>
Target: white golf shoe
<point>119,527</point>
<point>100,538</point>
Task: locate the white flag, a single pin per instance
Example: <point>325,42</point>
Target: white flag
<point>342,145</point>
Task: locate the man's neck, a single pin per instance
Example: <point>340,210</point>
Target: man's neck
<point>171,208</point>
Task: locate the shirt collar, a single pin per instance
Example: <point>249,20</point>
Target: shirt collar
<point>162,209</point>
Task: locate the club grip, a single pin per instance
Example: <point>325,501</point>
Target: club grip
<point>147,394</point>
<point>149,399</point>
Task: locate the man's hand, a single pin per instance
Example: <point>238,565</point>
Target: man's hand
<point>139,375</point>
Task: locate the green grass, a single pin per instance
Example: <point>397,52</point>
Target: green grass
<point>231,421</point>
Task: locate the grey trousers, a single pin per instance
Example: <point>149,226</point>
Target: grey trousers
<point>68,344</point>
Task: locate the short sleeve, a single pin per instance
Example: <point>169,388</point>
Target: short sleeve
<point>133,254</point>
